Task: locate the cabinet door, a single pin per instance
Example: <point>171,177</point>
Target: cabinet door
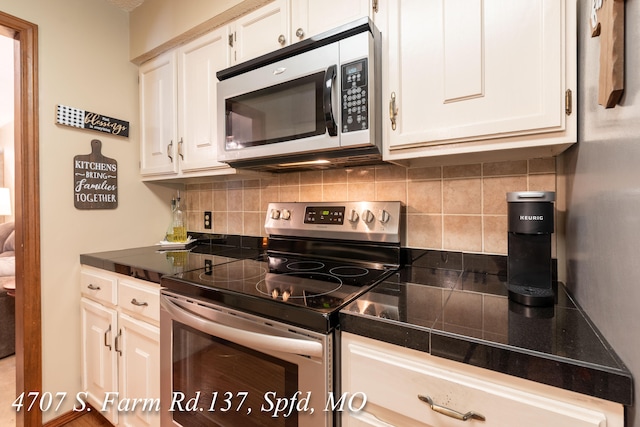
<point>158,131</point>
<point>312,17</point>
<point>99,361</point>
<point>198,63</point>
<point>465,70</point>
<point>139,345</point>
<point>393,377</point>
<point>262,31</point>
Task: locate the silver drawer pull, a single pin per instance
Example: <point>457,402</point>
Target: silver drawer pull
<point>451,412</point>
<point>93,287</point>
<point>138,303</point>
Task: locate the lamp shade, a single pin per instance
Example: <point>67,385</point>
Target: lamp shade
<point>5,201</point>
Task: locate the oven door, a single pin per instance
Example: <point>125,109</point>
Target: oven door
<point>228,368</point>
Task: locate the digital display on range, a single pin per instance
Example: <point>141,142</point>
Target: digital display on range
<point>324,215</point>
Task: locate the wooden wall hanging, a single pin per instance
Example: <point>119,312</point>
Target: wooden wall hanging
<point>96,180</point>
<point>607,22</point>
<point>75,117</point>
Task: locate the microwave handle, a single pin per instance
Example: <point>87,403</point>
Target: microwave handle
<point>329,77</point>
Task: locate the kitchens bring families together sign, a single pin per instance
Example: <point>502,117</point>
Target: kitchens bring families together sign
<point>96,180</point>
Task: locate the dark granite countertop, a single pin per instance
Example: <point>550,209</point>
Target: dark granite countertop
<point>449,306</point>
<point>152,262</point>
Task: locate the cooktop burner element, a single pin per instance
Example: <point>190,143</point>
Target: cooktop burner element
<point>320,256</point>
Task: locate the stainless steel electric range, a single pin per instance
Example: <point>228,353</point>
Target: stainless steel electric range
<point>261,332</point>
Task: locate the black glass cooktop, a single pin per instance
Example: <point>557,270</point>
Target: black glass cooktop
<point>297,290</point>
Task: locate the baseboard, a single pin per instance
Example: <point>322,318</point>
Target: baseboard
<point>67,417</point>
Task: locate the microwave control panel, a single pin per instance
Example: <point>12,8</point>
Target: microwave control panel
<point>355,96</point>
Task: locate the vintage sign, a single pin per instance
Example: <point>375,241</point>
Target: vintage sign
<point>95,180</point>
<point>82,119</point>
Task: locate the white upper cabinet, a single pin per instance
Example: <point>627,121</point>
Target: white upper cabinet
<point>312,17</point>
<point>262,31</point>
<point>284,22</point>
<point>178,108</point>
<point>198,63</point>
<point>158,109</point>
<point>466,77</point>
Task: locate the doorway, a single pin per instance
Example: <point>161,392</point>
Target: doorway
<point>27,212</point>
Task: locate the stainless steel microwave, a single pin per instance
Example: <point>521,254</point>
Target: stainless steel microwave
<point>312,104</point>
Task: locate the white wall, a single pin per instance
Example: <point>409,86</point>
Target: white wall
<point>84,63</point>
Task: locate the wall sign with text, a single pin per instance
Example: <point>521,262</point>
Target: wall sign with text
<point>82,119</point>
<point>95,180</point>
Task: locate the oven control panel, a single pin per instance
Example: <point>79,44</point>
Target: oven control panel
<point>367,221</point>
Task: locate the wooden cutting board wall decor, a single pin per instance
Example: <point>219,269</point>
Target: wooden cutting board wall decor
<point>607,23</point>
<point>95,180</point>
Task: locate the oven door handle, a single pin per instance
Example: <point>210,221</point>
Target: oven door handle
<point>243,337</point>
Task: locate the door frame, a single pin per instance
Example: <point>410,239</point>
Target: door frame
<point>27,212</point>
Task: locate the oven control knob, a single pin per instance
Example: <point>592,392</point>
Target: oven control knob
<point>275,214</point>
<point>286,214</point>
<point>367,216</point>
<point>383,216</point>
<point>353,216</point>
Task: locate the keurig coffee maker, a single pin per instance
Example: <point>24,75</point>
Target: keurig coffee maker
<point>529,270</point>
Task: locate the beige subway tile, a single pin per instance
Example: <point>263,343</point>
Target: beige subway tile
<point>390,173</point>
<point>220,201</point>
<point>290,178</point>
<point>311,177</point>
<point>433,172</point>
<point>193,224</point>
<point>425,231</point>
<point>424,197</point>
<point>505,168</point>
<point>334,176</point>
<point>495,234</point>
<point>462,233</point>
<point>290,193</point>
<point>335,192</point>
<point>542,182</point>
<point>206,200</point>
<point>310,193</point>
<point>251,183</point>
<point>361,174</point>
<point>542,165</point>
<point>462,196</point>
<point>361,191</point>
<point>253,224</point>
<point>235,184</point>
<point>220,185</point>
<point>494,193</point>
<point>462,171</point>
<point>220,223</point>
<point>234,200</point>
<point>392,191</point>
<point>268,195</point>
<point>235,223</point>
<point>251,197</point>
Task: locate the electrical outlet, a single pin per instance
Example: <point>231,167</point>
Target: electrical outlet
<point>207,220</point>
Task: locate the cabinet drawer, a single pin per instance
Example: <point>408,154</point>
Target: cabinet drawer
<point>99,286</point>
<point>392,379</point>
<point>139,299</point>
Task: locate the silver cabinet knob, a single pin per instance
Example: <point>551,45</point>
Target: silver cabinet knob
<point>282,39</point>
<point>300,33</point>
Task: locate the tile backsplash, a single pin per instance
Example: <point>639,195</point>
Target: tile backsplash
<point>453,208</point>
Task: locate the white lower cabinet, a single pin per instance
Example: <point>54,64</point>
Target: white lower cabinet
<point>392,378</point>
<point>121,348</point>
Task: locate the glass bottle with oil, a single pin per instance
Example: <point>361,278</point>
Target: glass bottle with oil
<point>178,225</point>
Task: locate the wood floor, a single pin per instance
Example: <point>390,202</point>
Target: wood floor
<point>7,396</point>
